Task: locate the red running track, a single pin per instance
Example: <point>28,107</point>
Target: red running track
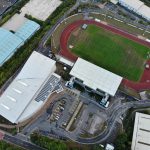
<point>65,52</point>
<point>143,84</point>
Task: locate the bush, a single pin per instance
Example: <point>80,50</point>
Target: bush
<point>47,143</point>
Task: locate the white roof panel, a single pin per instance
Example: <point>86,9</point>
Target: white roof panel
<point>141,134</point>
<point>145,11</point>
<point>23,88</point>
<point>136,4</point>
<point>96,77</point>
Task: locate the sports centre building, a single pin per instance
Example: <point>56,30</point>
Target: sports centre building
<point>95,78</point>
<point>30,89</point>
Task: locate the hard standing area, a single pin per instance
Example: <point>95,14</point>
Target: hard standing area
<point>10,42</point>
<point>40,9</point>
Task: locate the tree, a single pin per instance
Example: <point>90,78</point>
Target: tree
<point>6,146</point>
<point>121,142</point>
<point>47,143</point>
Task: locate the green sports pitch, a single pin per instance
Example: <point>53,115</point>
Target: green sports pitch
<point>110,51</point>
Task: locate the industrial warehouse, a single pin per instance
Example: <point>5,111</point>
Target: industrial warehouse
<point>11,41</point>
<point>30,89</point>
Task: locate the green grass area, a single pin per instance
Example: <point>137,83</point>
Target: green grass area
<point>110,51</point>
<point>54,41</point>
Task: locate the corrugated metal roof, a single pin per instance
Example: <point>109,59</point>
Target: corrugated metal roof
<point>8,44</point>
<point>27,30</point>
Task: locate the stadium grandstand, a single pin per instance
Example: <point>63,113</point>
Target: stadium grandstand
<point>30,89</point>
<point>137,6</point>
<point>11,41</point>
<point>95,78</point>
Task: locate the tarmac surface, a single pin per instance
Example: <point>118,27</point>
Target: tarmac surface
<point>5,4</point>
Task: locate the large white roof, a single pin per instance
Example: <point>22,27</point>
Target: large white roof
<point>96,77</point>
<point>136,4</point>
<point>145,11</point>
<point>141,133</point>
<point>21,91</point>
